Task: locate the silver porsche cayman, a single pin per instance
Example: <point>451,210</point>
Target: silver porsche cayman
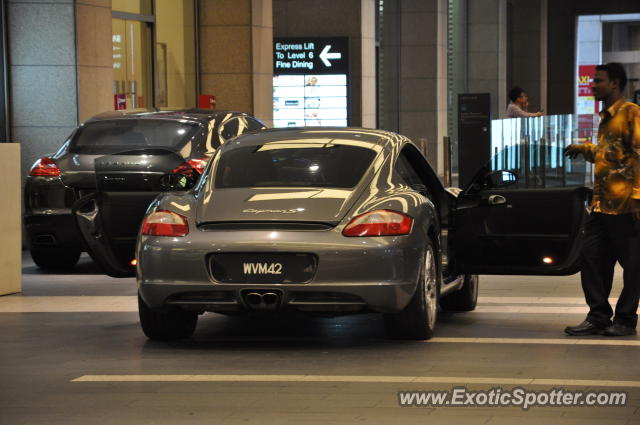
<point>336,221</point>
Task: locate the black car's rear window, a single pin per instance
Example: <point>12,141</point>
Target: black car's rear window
<point>293,165</point>
<point>118,135</point>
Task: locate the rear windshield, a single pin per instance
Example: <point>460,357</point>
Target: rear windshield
<point>279,165</point>
<point>118,135</point>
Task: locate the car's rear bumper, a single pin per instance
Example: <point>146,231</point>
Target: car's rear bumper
<point>47,214</point>
<point>334,297</point>
<point>52,231</point>
<point>378,273</point>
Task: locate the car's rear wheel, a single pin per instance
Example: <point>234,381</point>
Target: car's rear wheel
<point>55,257</point>
<point>166,324</point>
<point>466,298</point>
<point>418,319</point>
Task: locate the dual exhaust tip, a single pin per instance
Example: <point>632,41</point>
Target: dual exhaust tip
<point>262,300</point>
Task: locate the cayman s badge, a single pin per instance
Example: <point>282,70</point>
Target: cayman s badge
<point>289,211</point>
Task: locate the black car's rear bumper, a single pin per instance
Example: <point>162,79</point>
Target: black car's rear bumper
<point>51,231</point>
<point>47,214</point>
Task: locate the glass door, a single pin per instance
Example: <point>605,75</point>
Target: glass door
<point>132,66</point>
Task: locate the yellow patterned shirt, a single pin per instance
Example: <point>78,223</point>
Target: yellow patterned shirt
<point>616,158</point>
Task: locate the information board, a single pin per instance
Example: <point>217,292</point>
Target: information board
<point>474,136</point>
<point>310,82</point>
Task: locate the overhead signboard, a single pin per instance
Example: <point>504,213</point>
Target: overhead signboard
<point>310,81</point>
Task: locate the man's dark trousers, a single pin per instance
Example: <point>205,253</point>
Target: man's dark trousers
<point>610,238</point>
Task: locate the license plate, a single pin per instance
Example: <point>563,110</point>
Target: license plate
<point>252,269</point>
<point>262,267</point>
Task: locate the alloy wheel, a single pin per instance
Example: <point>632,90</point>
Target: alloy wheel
<point>430,289</point>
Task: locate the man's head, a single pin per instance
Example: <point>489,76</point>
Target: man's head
<point>609,82</point>
<point>518,96</point>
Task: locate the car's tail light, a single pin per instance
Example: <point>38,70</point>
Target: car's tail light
<point>379,223</point>
<point>192,165</point>
<point>165,223</point>
<point>45,167</point>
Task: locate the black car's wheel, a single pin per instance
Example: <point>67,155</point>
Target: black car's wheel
<point>464,299</point>
<point>55,258</point>
<point>418,319</point>
<point>166,324</point>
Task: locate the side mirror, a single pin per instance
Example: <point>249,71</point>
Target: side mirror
<point>501,178</point>
<point>170,182</point>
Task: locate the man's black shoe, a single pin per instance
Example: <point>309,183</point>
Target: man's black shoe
<point>618,329</point>
<point>584,328</point>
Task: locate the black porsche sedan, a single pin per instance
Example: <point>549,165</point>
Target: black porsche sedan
<point>144,144</point>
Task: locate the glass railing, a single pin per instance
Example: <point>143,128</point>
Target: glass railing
<point>533,149</point>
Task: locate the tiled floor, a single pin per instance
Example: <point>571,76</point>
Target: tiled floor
<point>321,370</point>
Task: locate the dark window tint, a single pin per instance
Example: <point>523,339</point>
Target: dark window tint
<point>118,135</point>
<point>237,126</point>
<point>253,125</point>
<point>406,171</point>
<point>323,165</point>
<point>231,128</point>
<point>412,177</point>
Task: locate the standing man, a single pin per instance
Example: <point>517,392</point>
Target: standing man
<point>612,230</point>
<point>518,105</point>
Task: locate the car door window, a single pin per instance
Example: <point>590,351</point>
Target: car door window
<point>237,126</point>
<point>253,125</point>
<point>537,166</point>
<point>409,174</point>
<point>231,128</point>
<point>406,172</point>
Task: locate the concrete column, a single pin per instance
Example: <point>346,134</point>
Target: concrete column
<point>589,40</point>
<point>95,57</point>
<point>338,18</point>
<point>527,51</point>
<point>423,75</point>
<point>368,59</point>
<point>10,228</point>
<point>487,55</point>
<point>43,75</point>
<point>236,55</point>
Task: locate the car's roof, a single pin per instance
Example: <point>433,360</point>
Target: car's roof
<point>198,115</point>
<point>366,136</point>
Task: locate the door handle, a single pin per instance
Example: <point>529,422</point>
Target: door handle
<point>496,200</point>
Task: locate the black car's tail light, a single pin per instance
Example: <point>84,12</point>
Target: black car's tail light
<point>45,167</point>
<point>191,167</point>
<point>379,223</point>
<point>165,223</point>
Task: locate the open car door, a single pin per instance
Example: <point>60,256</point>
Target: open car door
<point>126,183</point>
<point>522,214</point>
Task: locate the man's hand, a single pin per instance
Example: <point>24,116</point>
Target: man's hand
<point>572,151</point>
<point>635,209</point>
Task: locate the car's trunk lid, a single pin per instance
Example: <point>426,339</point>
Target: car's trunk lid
<point>109,220</point>
<point>318,205</point>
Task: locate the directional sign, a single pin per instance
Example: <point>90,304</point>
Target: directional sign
<point>310,55</point>
<point>310,82</point>
<point>326,57</point>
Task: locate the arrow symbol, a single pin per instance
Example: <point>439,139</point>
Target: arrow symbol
<point>325,55</point>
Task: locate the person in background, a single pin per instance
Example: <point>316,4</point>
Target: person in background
<point>518,104</point>
<point>612,230</point>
